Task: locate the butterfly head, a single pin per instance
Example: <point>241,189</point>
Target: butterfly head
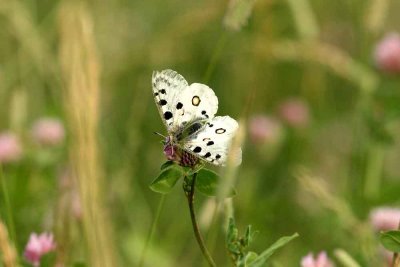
<point>170,149</point>
<point>174,153</point>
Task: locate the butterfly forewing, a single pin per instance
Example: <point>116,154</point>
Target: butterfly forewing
<point>167,86</point>
<point>196,102</point>
<point>180,104</point>
<point>212,142</point>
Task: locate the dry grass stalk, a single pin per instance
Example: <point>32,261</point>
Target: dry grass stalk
<point>376,15</point>
<point>304,18</point>
<point>80,69</point>
<point>317,187</point>
<point>22,24</point>
<point>336,60</point>
<point>238,14</point>
<point>6,248</point>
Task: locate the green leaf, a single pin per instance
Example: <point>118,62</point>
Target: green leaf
<point>167,164</point>
<point>232,233</point>
<point>207,183</point>
<point>247,259</point>
<point>391,240</point>
<point>250,258</point>
<point>79,264</point>
<point>263,257</point>
<point>247,236</point>
<point>167,179</point>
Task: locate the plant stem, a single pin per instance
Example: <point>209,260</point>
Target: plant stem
<point>376,156</point>
<point>188,187</point>
<point>6,198</point>
<point>152,230</point>
<point>214,57</point>
<point>396,256</point>
<point>396,260</point>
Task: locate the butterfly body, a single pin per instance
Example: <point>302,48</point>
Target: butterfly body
<point>188,112</point>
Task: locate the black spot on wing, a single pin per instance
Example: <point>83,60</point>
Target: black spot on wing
<point>217,156</point>
<point>210,143</point>
<point>179,105</point>
<point>197,149</point>
<point>208,154</point>
<point>163,102</point>
<point>167,115</point>
<point>204,113</point>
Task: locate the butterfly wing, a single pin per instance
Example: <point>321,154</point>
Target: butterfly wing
<point>167,85</point>
<point>180,104</point>
<point>197,102</point>
<point>212,141</point>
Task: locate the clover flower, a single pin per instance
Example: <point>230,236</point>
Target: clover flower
<point>37,246</point>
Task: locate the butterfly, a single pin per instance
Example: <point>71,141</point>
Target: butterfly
<point>195,134</point>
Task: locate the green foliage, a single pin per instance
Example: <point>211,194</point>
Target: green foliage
<point>167,179</point>
<point>238,247</point>
<point>391,240</point>
<point>207,183</point>
<point>166,164</point>
<point>264,256</point>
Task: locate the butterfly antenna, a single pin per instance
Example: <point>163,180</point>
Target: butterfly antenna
<point>157,133</point>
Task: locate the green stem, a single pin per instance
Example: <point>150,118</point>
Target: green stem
<point>188,187</point>
<point>376,156</point>
<point>6,198</point>
<point>396,256</point>
<point>213,232</point>
<point>214,58</point>
<point>152,230</point>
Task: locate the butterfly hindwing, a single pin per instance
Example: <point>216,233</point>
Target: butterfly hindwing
<point>212,141</point>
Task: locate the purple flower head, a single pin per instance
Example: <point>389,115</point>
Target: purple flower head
<point>387,53</point>
<point>321,260</point>
<point>169,149</point>
<point>37,246</point>
<point>10,148</point>
<point>264,129</point>
<point>385,218</point>
<point>48,132</point>
<point>295,113</point>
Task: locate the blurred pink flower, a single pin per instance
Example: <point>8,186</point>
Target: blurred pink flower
<point>295,112</point>
<point>387,53</point>
<point>321,260</point>
<point>10,148</point>
<point>265,129</point>
<point>37,246</point>
<point>48,131</point>
<point>385,218</point>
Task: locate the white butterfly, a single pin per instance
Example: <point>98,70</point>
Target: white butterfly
<point>188,113</point>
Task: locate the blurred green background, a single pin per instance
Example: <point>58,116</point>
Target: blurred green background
<point>320,179</point>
